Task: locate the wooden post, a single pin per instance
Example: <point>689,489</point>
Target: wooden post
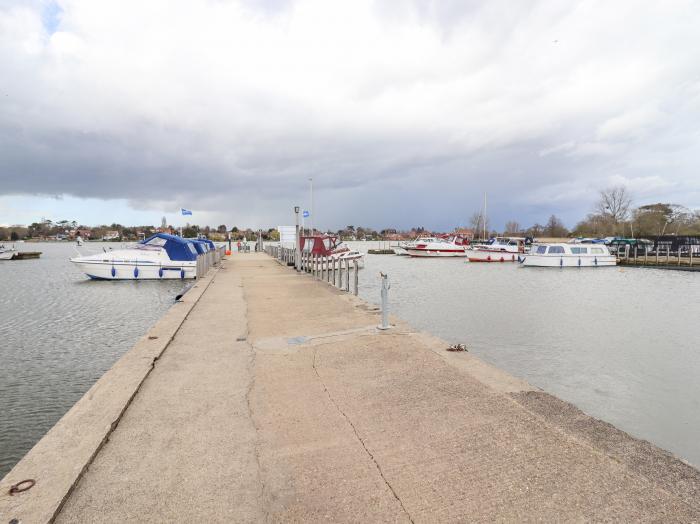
<point>679,254</point>
<point>690,254</point>
<point>328,270</point>
<point>668,254</point>
<point>635,255</point>
<point>357,278</point>
<point>646,254</point>
<point>347,275</point>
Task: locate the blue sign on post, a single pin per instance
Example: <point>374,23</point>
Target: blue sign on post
<point>306,214</point>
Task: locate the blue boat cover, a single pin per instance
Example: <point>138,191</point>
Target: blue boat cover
<point>177,248</point>
<point>200,245</point>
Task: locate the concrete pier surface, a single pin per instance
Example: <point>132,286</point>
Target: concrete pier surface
<point>273,397</point>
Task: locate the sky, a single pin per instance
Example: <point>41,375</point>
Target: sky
<point>404,112</point>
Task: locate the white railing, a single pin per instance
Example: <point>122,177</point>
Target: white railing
<point>336,272</point>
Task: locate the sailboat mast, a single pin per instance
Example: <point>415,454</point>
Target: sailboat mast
<point>484,216</point>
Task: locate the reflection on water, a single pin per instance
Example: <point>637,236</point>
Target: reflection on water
<point>620,343</point>
<point>59,333</point>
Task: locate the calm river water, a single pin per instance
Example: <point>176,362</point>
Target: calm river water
<point>59,333</point>
<point>619,343</point>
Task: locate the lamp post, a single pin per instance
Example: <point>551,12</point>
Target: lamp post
<point>297,240</point>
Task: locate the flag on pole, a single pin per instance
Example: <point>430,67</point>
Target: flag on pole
<point>306,214</point>
<point>185,211</point>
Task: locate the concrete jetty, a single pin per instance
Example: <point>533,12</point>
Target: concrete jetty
<point>269,396</point>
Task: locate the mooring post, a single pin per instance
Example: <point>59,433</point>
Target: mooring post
<point>385,302</point>
<point>357,278</point>
<point>347,275</point>
<point>679,254</point>
<point>635,255</point>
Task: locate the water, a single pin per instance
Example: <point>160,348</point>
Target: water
<point>619,343</point>
<point>59,332</point>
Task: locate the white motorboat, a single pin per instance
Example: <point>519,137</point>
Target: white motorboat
<point>452,246</point>
<point>7,253</point>
<point>159,257</point>
<point>499,249</point>
<point>78,241</point>
<point>568,255</point>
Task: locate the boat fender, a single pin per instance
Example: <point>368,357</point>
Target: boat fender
<point>579,261</point>
<point>182,274</point>
<point>502,259</point>
<point>160,272</point>
<point>114,272</point>
<point>136,272</point>
<point>488,258</point>
<point>561,262</point>
<point>595,261</point>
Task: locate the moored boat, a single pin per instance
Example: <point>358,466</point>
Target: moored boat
<point>450,246</point>
<point>159,257</point>
<point>6,253</point>
<point>329,246</point>
<point>498,249</point>
<point>568,255</point>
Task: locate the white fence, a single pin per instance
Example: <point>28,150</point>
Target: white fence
<point>337,272</point>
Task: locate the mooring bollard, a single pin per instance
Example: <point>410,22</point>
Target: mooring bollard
<point>357,277</point>
<point>385,301</point>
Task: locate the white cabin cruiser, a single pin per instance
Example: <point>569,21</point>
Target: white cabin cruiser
<point>452,246</point>
<point>159,257</point>
<point>568,255</point>
<point>499,249</point>
<point>6,253</point>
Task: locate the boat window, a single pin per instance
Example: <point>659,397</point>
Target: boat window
<point>556,249</point>
<point>541,250</point>
<point>579,250</point>
<point>156,241</point>
<point>597,250</point>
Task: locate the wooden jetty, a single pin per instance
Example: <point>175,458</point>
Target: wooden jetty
<point>26,255</point>
<point>268,394</point>
<point>681,259</point>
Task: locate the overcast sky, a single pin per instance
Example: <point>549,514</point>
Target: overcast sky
<point>404,112</point>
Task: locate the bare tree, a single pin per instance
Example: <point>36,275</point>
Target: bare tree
<point>479,223</point>
<point>512,227</point>
<point>614,203</point>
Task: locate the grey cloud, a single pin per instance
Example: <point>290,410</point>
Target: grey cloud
<point>403,116</point>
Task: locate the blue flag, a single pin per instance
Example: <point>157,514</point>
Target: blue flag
<point>306,214</point>
<point>185,211</point>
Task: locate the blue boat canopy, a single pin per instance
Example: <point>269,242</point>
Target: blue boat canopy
<point>177,248</point>
<point>200,246</point>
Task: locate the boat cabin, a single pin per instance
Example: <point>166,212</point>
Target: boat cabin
<point>569,249</point>
<point>177,248</point>
<point>321,245</point>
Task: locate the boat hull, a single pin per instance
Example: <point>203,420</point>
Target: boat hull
<point>562,261</point>
<point>476,255</point>
<point>128,271</point>
<point>415,252</point>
